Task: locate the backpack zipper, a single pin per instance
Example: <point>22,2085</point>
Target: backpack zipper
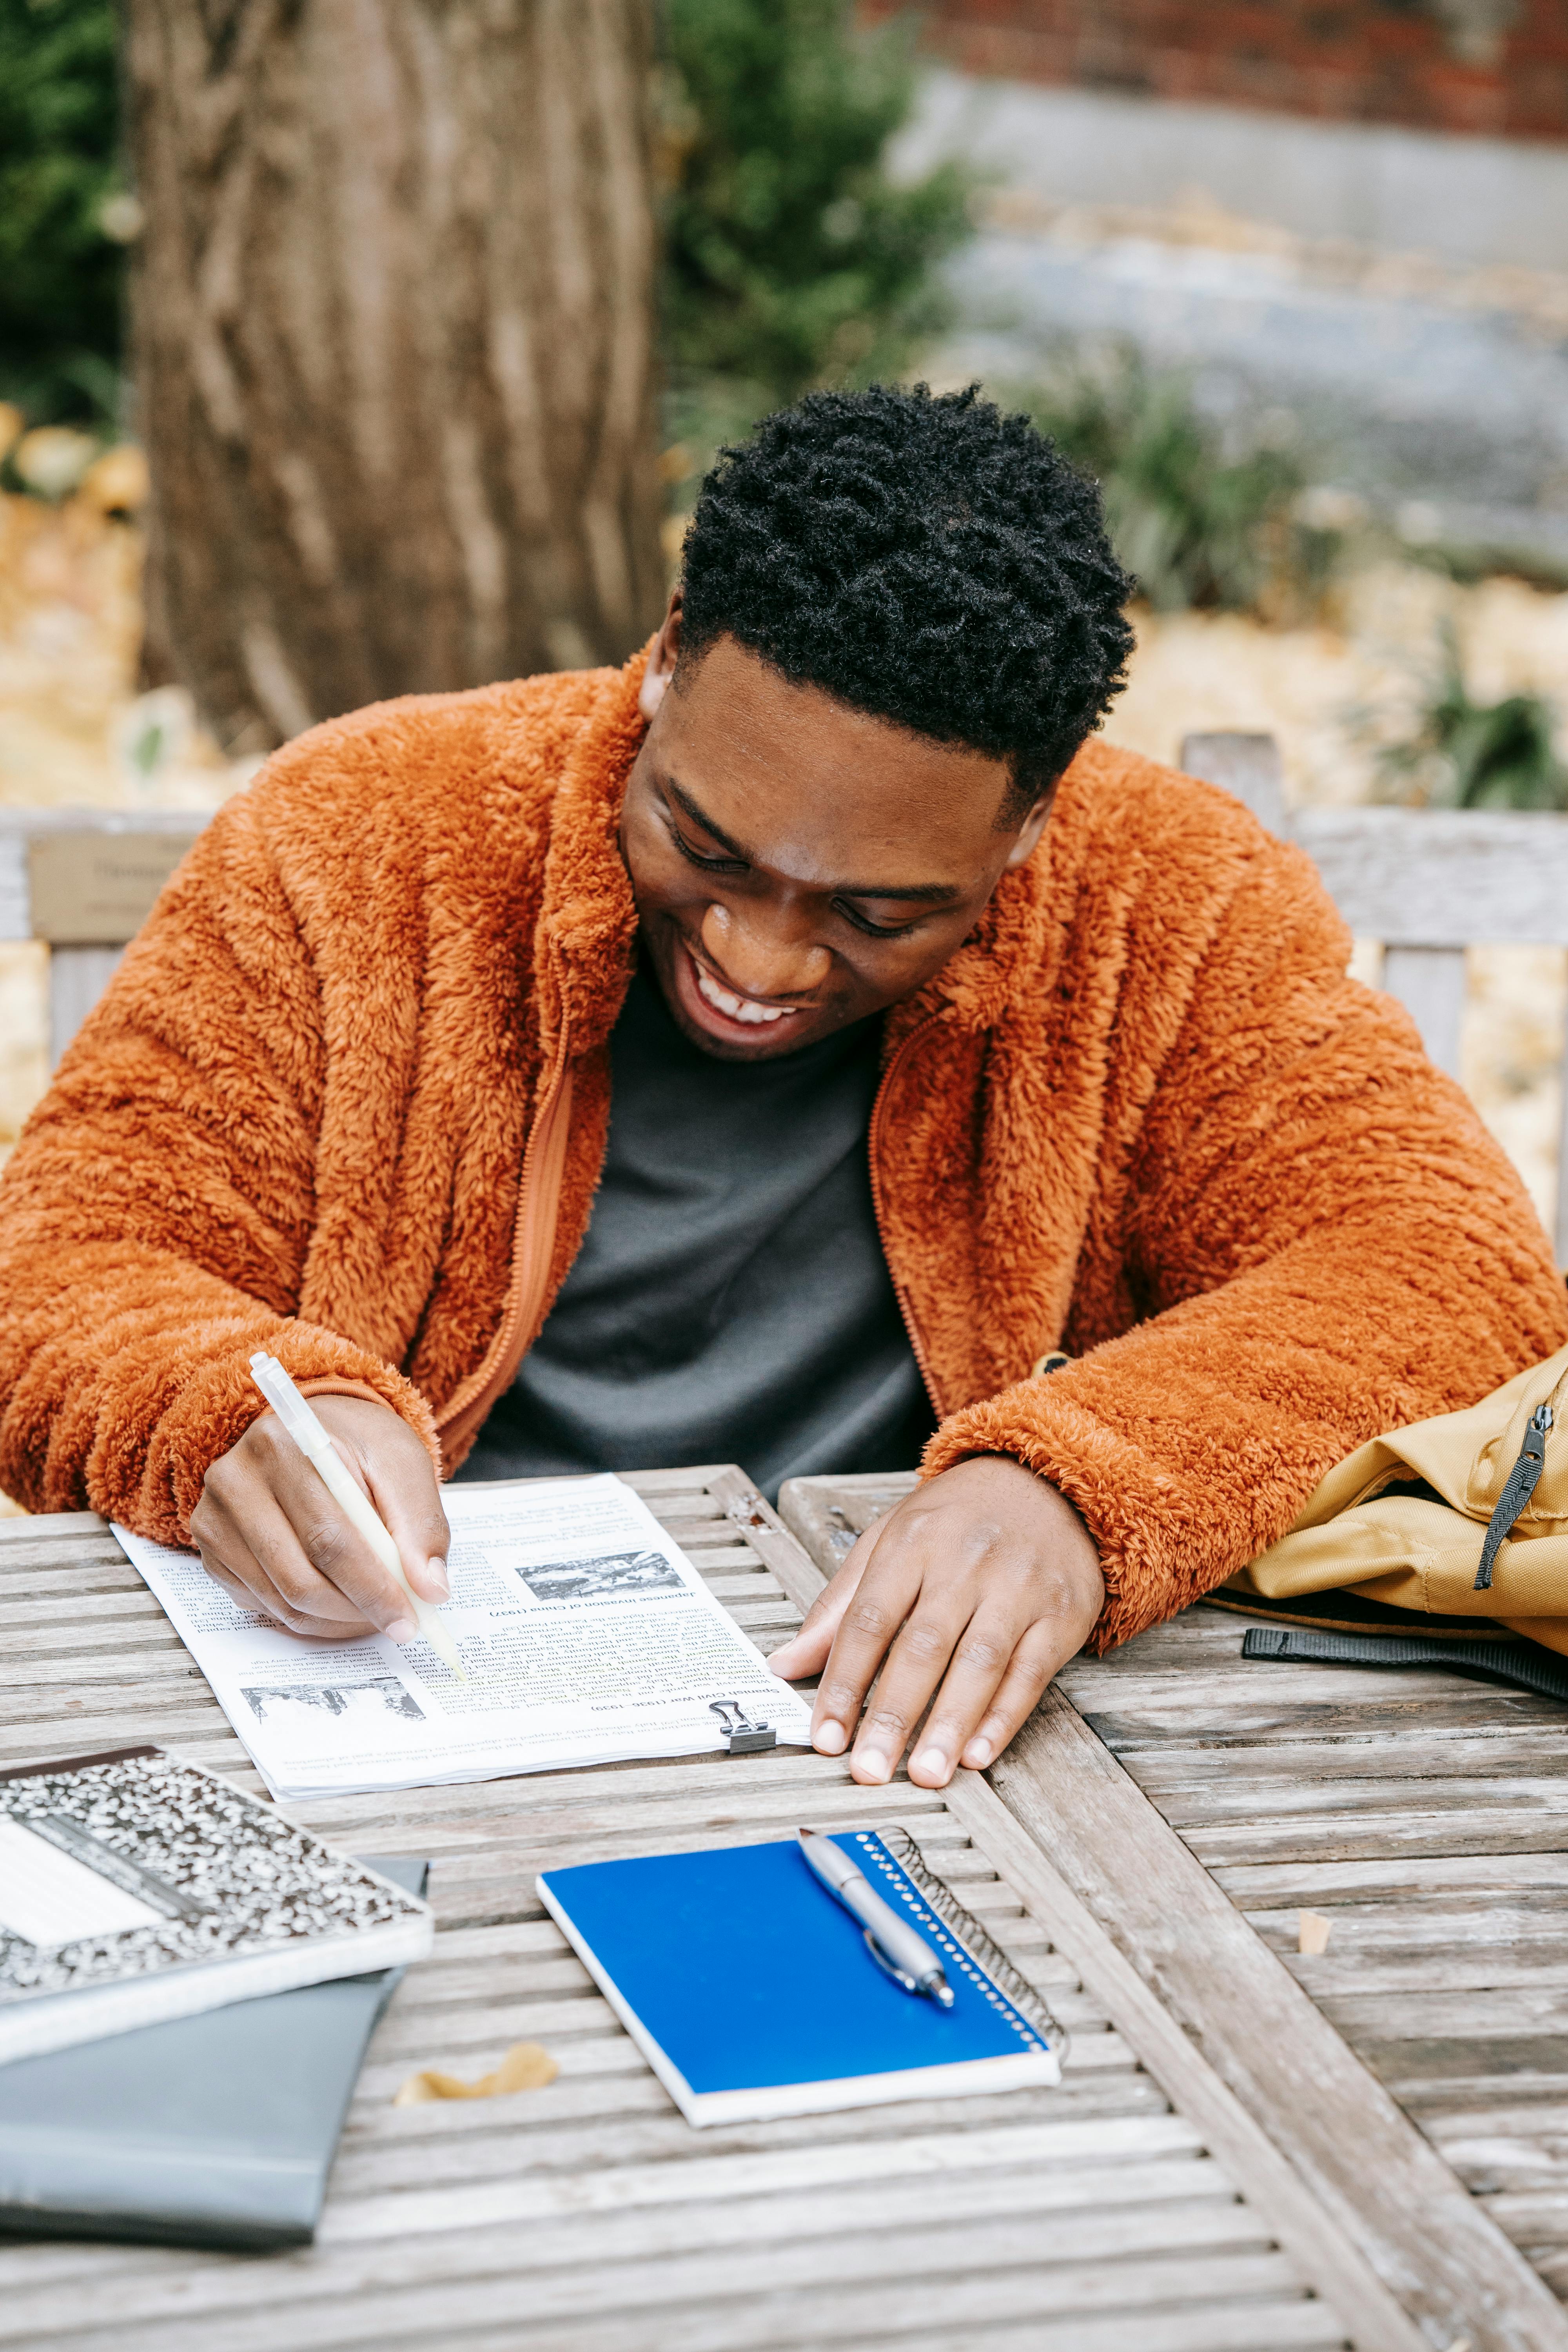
<point>1518,1488</point>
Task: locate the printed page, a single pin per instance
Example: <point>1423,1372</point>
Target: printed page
<point>586,1637</point>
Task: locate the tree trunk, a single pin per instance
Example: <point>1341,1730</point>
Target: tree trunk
<point>392,327</point>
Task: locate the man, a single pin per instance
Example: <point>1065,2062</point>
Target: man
<point>907,1035</point>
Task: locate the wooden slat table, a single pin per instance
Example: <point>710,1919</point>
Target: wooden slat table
<point>1142,2207</point>
<point>1196,1801</point>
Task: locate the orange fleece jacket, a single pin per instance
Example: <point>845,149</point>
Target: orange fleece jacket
<point>348,1093</point>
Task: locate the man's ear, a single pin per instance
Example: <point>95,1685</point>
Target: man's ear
<point>1034,824</point>
<point>663,654</point>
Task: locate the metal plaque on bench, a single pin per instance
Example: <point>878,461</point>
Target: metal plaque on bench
<point>92,889</point>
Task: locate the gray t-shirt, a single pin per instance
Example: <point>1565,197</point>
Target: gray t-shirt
<point>731,1301</point>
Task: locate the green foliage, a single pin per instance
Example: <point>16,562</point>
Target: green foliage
<point>792,259</point>
<point>60,272</point>
<point>1197,522</point>
<point>1476,755</point>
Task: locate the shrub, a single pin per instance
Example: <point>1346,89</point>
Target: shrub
<point>1472,755</point>
<point>1198,520</point>
<point>792,259</point>
<point>61,267</point>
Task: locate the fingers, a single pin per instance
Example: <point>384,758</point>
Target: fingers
<point>926,1578</point>
<point>876,1609</point>
<point>1043,1652</point>
<point>300,1558</point>
<point>398,1475</point>
<point>975,1716</point>
<point>956,1610</point>
<point>230,1560</point>
<point>267,1524</point>
<point>806,1653</point>
<point>980,1660</point>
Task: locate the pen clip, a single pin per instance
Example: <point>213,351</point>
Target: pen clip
<point>899,1976</point>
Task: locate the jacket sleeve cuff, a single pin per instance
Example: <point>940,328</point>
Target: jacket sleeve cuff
<point>215,1407</point>
<point>404,1398</point>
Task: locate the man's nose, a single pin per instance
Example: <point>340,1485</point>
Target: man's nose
<point>764,950</point>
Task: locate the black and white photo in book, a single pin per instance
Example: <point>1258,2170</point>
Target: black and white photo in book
<point>605,1573</point>
<point>135,1887</point>
<point>377,1695</point>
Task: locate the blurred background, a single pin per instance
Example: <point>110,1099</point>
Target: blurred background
<point>372,346</point>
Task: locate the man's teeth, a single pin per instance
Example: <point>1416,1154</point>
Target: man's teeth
<point>738,1008</point>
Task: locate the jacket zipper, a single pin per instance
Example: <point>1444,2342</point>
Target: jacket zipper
<point>878,1108</point>
<point>533,1247</point>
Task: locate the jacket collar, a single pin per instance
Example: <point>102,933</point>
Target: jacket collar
<point>585,937</point>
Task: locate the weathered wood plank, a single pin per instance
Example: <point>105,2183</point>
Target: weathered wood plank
<point>1370,2170</point>
<point>1351,2273</point>
<point>1431,1875</point>
<point>61,1527</point>
<point>1480,1752</point>
<point>698,2301</point>
<point>1442,877</point>
<point>1253,2325</point>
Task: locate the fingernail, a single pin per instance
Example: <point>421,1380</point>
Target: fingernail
<point>977,1753</point>
<point>435,1569</point>
<point>401,1629</point>
<point>828,1739</point>
<point>934,1761</point>
<point>873,1763</point>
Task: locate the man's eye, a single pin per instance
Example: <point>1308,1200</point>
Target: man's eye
<point>872,930</point>
<point>695,856</point>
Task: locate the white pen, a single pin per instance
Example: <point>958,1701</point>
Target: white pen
<point>893,1944</point>
<point>315,1443</point>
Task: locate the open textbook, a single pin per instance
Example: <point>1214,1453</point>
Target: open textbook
<point>586,1636</point>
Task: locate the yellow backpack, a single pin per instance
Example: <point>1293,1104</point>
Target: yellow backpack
<point>1462,1518</point>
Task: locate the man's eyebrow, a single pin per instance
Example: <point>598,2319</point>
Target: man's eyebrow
<point>928,893</point>
<point>700,816</point>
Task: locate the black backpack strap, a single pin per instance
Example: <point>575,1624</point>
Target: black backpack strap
<point>1524,1664</point>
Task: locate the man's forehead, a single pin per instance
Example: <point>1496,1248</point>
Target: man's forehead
<point>750,749</point>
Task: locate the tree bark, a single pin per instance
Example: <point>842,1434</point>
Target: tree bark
<point>392,318</point>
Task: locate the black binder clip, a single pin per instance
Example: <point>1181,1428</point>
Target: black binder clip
<point>742,1736</point>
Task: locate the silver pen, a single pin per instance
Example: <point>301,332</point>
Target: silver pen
<point>892,1941</point>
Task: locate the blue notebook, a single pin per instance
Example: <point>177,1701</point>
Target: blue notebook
<point>752,1994</point>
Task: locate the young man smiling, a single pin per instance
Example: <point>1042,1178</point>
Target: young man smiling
<point>770,1052</point>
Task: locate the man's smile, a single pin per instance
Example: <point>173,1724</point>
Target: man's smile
<point>724,1010</point>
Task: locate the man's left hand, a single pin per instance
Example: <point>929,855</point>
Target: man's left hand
<point>983,1581</point>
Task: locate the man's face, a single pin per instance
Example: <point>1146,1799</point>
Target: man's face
<point>796,865</point>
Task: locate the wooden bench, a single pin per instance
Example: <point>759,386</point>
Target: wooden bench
<point>84,880</point>
<point>1218,2173</point>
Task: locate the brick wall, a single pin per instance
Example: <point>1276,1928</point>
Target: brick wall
<point>1492,66</point>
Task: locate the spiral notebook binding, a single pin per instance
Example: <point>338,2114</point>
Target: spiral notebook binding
<point>966,1928</point>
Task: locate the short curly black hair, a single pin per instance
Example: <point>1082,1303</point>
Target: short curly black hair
<point>923,558</point>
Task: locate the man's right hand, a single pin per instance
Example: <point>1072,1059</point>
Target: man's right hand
<point>271,1535</point>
